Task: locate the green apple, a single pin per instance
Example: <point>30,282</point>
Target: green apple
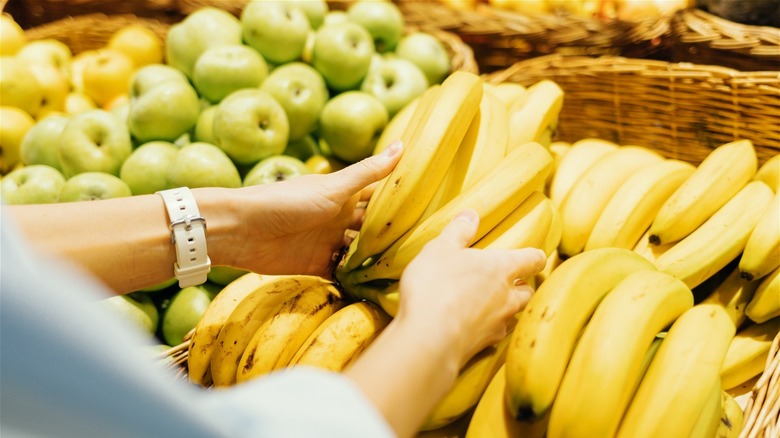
<point>395,82</point>
<point>275,169</point>
<point>202,165</point>
<point>49,51</point>
<point>163,112</point>
<point>220,71</point>
<point>94,141</point>
<point>204,129</point>
<point>137,309</point>
<point>18,86</point>
<point>383,20</point>
<point>351,124</point>
<point>427,53</point>
<point>302,92</point>
<point>42,141</point>
<point>146,170</point>
<point>302,149</point>
<point>250,125</point>
<point>148,76</point>
<point>92,186</point>
<point>224,275</point>
<point>184,311</point>
<point>342,54</point>
<point>278,30</point>
<point>161,285</point>
<point>205,28</point>
<point>33,184</point>
<point>335,17</point>
<point>121,111</point>
<point>315,10</point>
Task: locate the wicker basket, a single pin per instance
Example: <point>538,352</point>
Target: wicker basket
<point>708,39</point>
<point>684,110</point>
<point>38,12</point>
<point>502,37</point>
<point>762,412</point>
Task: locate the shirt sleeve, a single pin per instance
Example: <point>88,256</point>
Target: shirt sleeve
<point>69,370</point>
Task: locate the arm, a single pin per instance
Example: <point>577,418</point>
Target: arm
<point>455,301</point>
<point>293,226</point>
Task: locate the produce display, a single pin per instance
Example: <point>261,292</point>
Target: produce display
<point>661,295</point>
<point>599,9</point>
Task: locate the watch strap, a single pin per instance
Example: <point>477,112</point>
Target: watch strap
<point>188,235</point>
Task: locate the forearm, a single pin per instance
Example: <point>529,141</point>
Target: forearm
<point>124,242</point>
<point>405,372</point>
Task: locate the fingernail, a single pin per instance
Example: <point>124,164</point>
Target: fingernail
<point>393,149</point>
<point>541,257</point>
<point>470,216</point>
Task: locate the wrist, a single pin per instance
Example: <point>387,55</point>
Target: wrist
<point>222,212</point>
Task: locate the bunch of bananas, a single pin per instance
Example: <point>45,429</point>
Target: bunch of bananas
<point>259,323</point>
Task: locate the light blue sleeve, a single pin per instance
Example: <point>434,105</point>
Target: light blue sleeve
<point>69,370</point>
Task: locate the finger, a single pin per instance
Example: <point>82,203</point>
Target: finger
<point>358,176</point>
<point>368,192</point>
<point>461,229</point>
<point>518,263</point>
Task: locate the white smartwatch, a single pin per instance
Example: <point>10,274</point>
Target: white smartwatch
<point>188,235</point>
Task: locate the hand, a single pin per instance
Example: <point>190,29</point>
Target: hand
<point>300,224</point>
<point>468,296</point>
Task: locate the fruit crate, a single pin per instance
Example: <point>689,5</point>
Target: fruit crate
<point>705,38</point>
<point>501,37</point>
<point>684,110</point>
<point>31,13</point>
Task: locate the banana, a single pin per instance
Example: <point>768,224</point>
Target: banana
<point>534,113</point>
<point>492,419</point>
<point>250,313</point>
<point>606,365</point>
<point>526,226</point>
<point>204,337</point>
<point>721,174</point>
<point>731,418</point>
<point>396,126</point>
<point>507,92</point>
<point>591,193</point>
<point>581,155</point>
<point>708,419</point>
<point>547,332</point>
<point>482,148</point>
<point>680,377</point>
<point>769,172</point>
<point>648,251</point>
<point>762,251</point>
<point>765,304</point>
<point>493,198</point>
<point>720,239</point>
<point>340,339</point>
<point>558,149</point>
<point>470,385</point>
<point>747,353</point>
<point>631,209</point>
<point>431,142</point>
<point>277,340</point>
<point>553,261</point>
<point>733,294</point>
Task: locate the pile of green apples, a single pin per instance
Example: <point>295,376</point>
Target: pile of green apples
<point>286,88</point>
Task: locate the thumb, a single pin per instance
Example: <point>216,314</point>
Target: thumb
<point>461,229</point>
<point>357,176</point>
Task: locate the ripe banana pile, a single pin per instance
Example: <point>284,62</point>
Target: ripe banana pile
<point>258,324</point>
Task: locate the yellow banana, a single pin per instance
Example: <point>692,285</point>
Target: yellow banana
<point>648,251</point>
<point>493,198</point>
<point>747,353</point>
<point>733,294</point>
<point>680,377</point>
<point>507,92</point>
<point>340,339</point>
<point>606,366</point>
<point>250,313</point>
<point>719,240</point>
<point>396,126</point>
<point>708,420</point>
<point>534,113</point>
<point>717,179</point>
<point>547,332</point>
<point>581,155</point>
<point>765,303</point>
<point>731,417</point>
<point>769,172</point>
<point>277,340</point>
<point>762,251</point>
<point>469,386</point>
<point>431,143</point>
<point>482,148</point>
<point>204,337</point>
<point>492,419</point>
<point>631,209</point>
<point>553,261</point>
<point>558,149</point>
<point>526,226</point>
<point>590,194</point>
